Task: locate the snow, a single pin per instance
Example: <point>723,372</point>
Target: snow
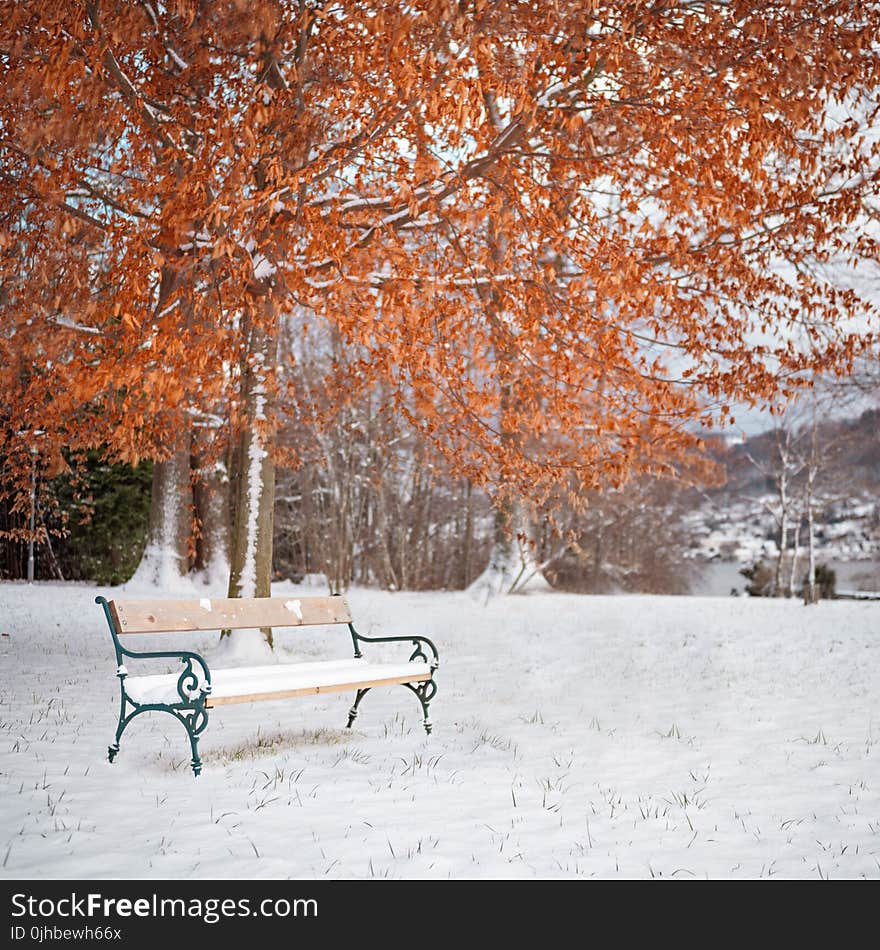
<point>357,203</point>
<point>859,594</point>
<point>202,239</point>
<point>160,565</point>
<point>152,14</point>
<point>511,567</point>
<point>64,321</point>
<point>263,267</point>
<point>628,736</point>
<point>250,681</point>
<point>244,647</point>
<point>181,64</point>
<point>247,586</point>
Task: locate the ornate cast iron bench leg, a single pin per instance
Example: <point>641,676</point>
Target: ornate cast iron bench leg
<point>113,750</point>
<point>424,692</point>
<point>194,719</point>
<point>196,761</point>
<point>352,713</point>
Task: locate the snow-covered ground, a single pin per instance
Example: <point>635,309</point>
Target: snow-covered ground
<point>574,736</point>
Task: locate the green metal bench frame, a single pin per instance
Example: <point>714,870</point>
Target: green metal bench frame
<point>192,713</point>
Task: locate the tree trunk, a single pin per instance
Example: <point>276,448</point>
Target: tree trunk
<point>810,593</point>
<point>512,568</point>
<point>251,553</point>
<point>211,498</point>
<point>253,487</point>
<point>468,533</point>
<point>783,544</point>
<point>166,557</point>
<point>795,555</point>
<point>389,580</point>
<point>816,459</point>
<point>810,586</point>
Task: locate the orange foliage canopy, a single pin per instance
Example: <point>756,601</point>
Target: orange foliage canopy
<point>561,233</point>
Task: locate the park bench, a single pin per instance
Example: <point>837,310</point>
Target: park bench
<point>189,695</point>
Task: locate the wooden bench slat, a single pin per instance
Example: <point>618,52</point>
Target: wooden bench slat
<point>313,690</point>
<point>167,616</point>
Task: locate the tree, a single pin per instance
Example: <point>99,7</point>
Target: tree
<point>801,458</point>
<point>619,180</point>
<point>812,465</point>
<point>784,466</point>
<point>635,539</point>
<point>822,447</point>
<point>370,504</point>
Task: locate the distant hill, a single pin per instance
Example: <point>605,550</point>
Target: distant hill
<point>853,448</point>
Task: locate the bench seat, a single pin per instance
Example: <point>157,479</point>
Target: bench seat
<point>280,681</point>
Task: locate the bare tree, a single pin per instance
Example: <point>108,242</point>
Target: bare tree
<point>781,470</point>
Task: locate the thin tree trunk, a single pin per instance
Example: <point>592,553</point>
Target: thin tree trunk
<point>811,595</point>
<point>598,555</point>
<point>468,533</point>
<point>783,542</point>
<point>390,580</point>
<point>795,556</point>
<point>810,586</point>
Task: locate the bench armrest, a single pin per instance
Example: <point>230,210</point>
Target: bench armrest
<point>190,683</point>
<point>433,661</point>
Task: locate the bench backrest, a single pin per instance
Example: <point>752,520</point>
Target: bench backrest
<point>166,616</point>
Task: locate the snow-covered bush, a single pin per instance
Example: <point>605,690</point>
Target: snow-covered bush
<point>760,578</point>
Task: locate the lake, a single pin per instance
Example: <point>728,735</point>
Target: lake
<point>719,577</point>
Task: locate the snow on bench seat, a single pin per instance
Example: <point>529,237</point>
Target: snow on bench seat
<point>279,681</point>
